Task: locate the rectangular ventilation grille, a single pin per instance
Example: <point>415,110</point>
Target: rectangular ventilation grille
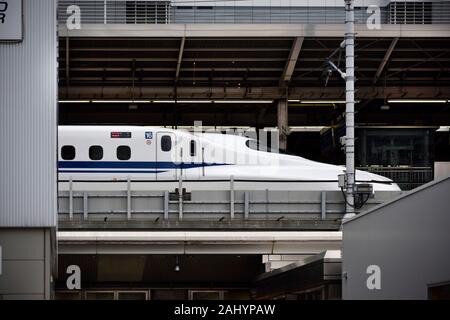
<point>147,12</point>
<point>410,12</point>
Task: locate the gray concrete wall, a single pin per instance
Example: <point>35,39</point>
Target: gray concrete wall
<point>409,239</point>
<point>25,263</point>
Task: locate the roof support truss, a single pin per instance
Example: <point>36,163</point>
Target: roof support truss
<point>180,58</point>
<point>292,60</point>
<point>385,60</point>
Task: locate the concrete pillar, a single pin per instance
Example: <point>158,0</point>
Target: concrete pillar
<point>26,263</point>
<point>282,119</point>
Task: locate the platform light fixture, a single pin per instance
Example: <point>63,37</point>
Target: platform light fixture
<point>443,129</point>
<point>307,128</point>
<point>417,101</point>
<point>243,101</point>
<point>74,101</point>
<point>121,101</point>
<point>323,101</point>
<point>177,266</point>
<point>194,101</point>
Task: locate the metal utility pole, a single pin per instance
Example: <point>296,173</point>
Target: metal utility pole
<point>350,106</point>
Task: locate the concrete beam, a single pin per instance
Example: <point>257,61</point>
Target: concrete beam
<point>194,242</point>
<point>161,93</point>
<point>385,60</point>
<point>292,60</point>
<point>179,30</point>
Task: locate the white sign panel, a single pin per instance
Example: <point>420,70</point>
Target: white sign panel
<point>10,20</point>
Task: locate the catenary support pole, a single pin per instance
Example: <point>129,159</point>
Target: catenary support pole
<point>350,106</point>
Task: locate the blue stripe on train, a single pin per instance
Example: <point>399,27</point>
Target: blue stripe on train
<point>131,165</point>
<point>110,171</point>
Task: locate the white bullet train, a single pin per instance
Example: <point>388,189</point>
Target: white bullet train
<point>145,155</point>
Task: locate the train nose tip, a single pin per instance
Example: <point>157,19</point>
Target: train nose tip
<point>390,184</point>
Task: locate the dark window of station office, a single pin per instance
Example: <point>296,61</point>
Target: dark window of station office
<point>403,155</point>
<point>395,147</point>
<point>439,291</point>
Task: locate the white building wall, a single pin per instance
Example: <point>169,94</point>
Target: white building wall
<point>28,120</point>
<point>408,239</point>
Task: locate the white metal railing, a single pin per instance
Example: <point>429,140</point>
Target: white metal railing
<point>77,201</point>
<point>406,177</point>
<point>167,11</point>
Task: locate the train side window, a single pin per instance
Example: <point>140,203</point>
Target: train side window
<point>95,152</point>
<point>193,148</point>
<point>68,152</point>
<point>166,143</point>
<point>123,152</point>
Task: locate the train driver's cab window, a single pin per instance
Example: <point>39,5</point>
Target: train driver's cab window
<point>68,152</point>
<point>95,152</point>
<point>193,148</point>
<point>166,143</point>
<point>123,153</point>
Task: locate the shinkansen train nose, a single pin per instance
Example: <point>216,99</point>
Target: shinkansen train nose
<point>364,176</point>
<point>369,176</point>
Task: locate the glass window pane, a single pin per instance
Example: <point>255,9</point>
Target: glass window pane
<point>96,153</point>
<point>132,295</point>
<point>193,148</point>
<point>99,295</point>
<point>169,294</point>
<point>67,295</point>
<point>206,295</point>
<point>68,152</point>
<point>123,152</point>
<point>166,143</point>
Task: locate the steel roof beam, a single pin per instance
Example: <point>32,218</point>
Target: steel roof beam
<point>254,59</point>
<point>234,49</point>
<point>200,92</point>
<point>158,59</point>
<point>108,68</point>
<point>180,58</point>
<point>385,60</point>
<point>292,60</point>
<point>255,31</point>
